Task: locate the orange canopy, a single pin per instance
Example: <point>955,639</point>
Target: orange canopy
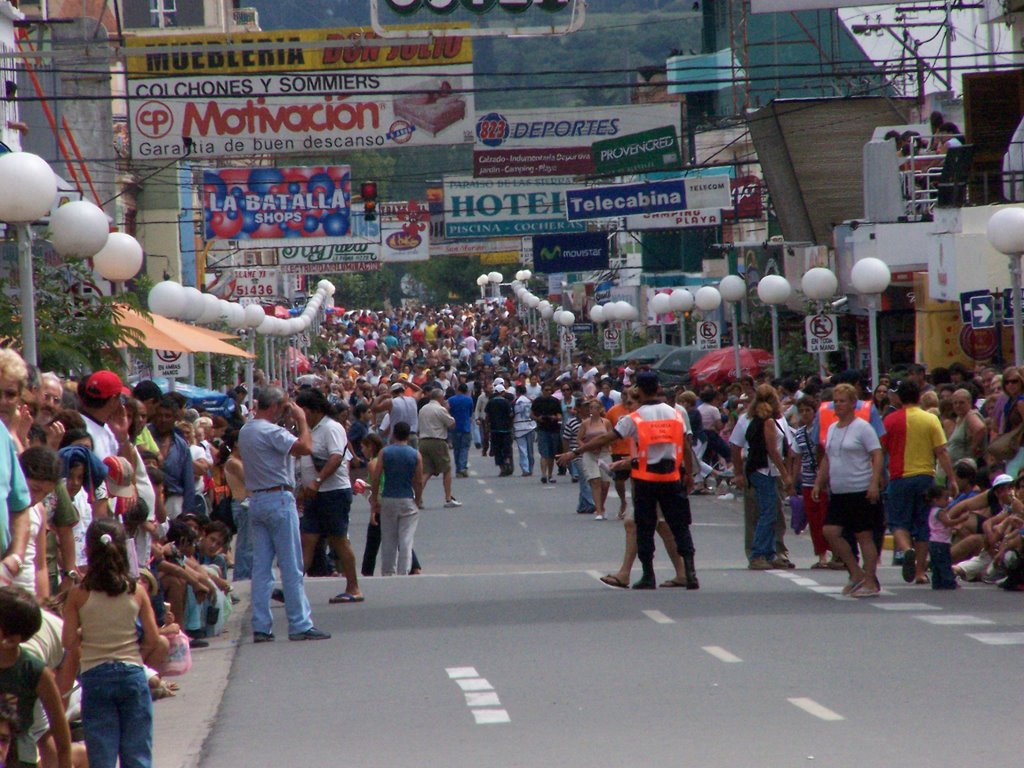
<point>167,334</point>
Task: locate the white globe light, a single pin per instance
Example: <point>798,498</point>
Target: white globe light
<point>543,303</point>
<point>304,322</point>
<point>661,303</point>
<point>495,277</point>
<point>224,310</point>
<point>266,327</point>
<point>774,289</point>
<point>331,288</point>
<point>519,275</point>
<point>870,275</point>
<point>30,187</point>
<point>527,274</point>
<point>211,309</point>
<point>547,312</point>
<point>191,304</point>
<point>1005,231</point>
<point>79,229</point>
<point>165,298</point>
<point>732,288</point>
<point>611,311</point>
<point>236,316</point>
<point>597,314</point>
<point>707,298</point>
<point>627,311</point>
<point>532,301</point>
<point>681,300</point>
<point>521,292</point>
<point>482,280</point>
<point>819,283</point>
<point>567,318</point>
<point>120,259</point>
<point>254,316</point>
<point>325,285</point>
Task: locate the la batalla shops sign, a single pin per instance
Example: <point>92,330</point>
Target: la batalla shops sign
<point>232,101</point>
<point>445,7</point>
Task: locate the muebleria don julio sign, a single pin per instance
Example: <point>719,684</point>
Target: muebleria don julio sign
<point>328,259</point>
<point>218,96</point>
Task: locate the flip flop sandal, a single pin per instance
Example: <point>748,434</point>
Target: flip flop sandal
<point>863,591</point>
<point>613,581</point>
<point>852,587</point>
<point>674,583</point>
<point>819,566</point>
<point>345,597</point>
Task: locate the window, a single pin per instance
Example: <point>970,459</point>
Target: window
<point>162,13</point>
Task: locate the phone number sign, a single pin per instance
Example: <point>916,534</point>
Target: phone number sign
<point>254,286</point>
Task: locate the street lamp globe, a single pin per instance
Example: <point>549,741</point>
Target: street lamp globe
<point>495,277</point>
<point>597,314</point>
<point>211,309</point>
<point>166,298</point>
<point>707,298</point>
<point>627,311</point>
<point>482,280</point>
<point>732,288</point>
<point>681,300</point>
<point>546,312</point>
<point>254,316</point>
<point>774,289</point>
<point>532,301</point>
<point>661,303</point>
<point>527,274</point>
<point>31,187</point>
<point>192,304</point>
<point>819,283</point>
<point>79,229</point>
<point>1005,231</point>
<point>870,276</point>
<point>120,259</point>
<point>236,316</point>
<point>566,319</point>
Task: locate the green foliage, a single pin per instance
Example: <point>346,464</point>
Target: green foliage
<point>74,331</point>
<point>449,278</point>
<point>364,289</point>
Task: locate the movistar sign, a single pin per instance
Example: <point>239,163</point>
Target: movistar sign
<point>582,252</point>
<point>409,7</point>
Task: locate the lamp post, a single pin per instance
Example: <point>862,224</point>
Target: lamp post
<point>681,302</point>
<point>495,278</point>
<point>661,304</point>
<point>30,190</point>
<point>819,284</point>
<point>483,282</point>
<point>734,290</point>
<point>1005,233</point>
<point>871,277</point>
<point>707,299</point>
<point>774,290</point>
<point>565,319</point>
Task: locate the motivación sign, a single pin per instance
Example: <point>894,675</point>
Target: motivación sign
<point>581,252</point>
<point>277,206</point>
<point>213,95</point>
<point>653,150</point>
<point>564,141</point>
<point>625,200</point>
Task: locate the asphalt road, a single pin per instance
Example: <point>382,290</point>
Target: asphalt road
<point>508,651</point>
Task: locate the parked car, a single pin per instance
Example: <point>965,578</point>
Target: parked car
<point>674,368</point>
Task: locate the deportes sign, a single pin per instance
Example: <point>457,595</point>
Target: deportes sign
<point>570,253</point>
<point>492,208</point>
<point>313,98</point>
<point>271,205</point>
<point>554,142</point>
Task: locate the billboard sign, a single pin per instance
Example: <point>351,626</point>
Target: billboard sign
<point>701,217</point>
<point>581,252</point>
<point>254,285</point>
<point>653,150</point>
<point>626,199</point>
<point>477,208</point>
<point>404,231</point>
<point>277,205</point>
<point>327,259</point>
<point>303,97</point>
<point>559,142</point>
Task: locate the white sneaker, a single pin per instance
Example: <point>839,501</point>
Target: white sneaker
<point>453,502</point>
<point>727,497</point>
<point>973,568</point>
<point>599,517</point>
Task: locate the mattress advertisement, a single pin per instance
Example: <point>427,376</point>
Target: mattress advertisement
<point>557,142</point>
<point>277,206</point>
<point>295,93</point>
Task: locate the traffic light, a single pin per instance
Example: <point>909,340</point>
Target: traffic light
<point>368,191</point>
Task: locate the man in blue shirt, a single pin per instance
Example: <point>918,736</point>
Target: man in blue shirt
<point>461,408</point>
<point>175,459</point>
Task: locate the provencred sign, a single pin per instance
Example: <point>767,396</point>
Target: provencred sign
<point>653,150</point>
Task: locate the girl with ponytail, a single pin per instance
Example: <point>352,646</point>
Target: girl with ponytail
<point>112,624</point>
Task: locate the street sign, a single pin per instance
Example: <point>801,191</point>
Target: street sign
<point>254,285</point>
<point>566,338</point>
<point>653,150</point>
<point>611,338</point>
<point>1008,302</point>
<point>965,304</point>
<point>709,335</point>
<point>172,365</point>
<point>983,314</point>
<point>578,328</point>
<point>822,333</point>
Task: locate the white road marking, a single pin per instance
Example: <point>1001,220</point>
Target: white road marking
<point>721,654</point>
<point>906,607</point>
<point>482,699</point>
<point>801,581</point>
<point>658,617</point>
<point>481,481</point>
<point>491,716</point>
<point>999,638</point>
<point>474,684</point>
<point>489,491</point>
<point>456,673</point>
<point>522,523</point>
<point>499,501</point>
<point>823,590</point>
<point>595,575</point>
<point>953,619</point>
<point>510,510</point>
<point>811,707</point>
<point>785,575</point>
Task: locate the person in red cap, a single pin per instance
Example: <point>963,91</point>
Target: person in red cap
<point>100,396</point>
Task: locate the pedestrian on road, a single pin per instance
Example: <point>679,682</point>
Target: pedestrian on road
<point>396,501</point>
<point>461,408</point>
<point>372,448</point>
<point>525,429</point>
<point>265,449</point>
<point>547,412</point>
<point>401,407</point>
<point>435,422</point>
<point>499,420</point>
<point>595,464</point>
<point>658,476</point>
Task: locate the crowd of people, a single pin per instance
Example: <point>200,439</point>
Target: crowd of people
<point>129,515</point>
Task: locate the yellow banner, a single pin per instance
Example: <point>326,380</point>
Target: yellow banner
<point>287,51</point>
<point>500,257</point>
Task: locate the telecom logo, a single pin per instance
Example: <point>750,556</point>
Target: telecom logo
<point>492,129</point>
<point>547,254</point>
<point>154,120</point>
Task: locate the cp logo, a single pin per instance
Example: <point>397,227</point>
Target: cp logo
<point>154,120</point>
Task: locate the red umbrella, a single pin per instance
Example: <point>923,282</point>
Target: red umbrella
<point>298,360</point>
<point>719,365</point>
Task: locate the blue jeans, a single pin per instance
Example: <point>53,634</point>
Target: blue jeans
<point>766,493</point>
<point>460,448</point>
<point>275,531</point>
<point>525,445</point>
<point>942,565</point>
<point>907,508</point>
<point>117,713</point>
<point>586,495</point>
<point>243,541</point>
